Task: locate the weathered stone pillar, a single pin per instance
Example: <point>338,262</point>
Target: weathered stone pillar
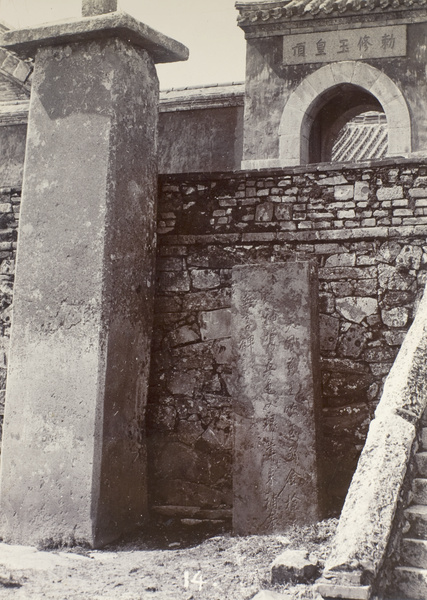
<point>276,396</point>
<point>73,456</point>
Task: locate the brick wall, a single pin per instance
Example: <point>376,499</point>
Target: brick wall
<point>368,230</point>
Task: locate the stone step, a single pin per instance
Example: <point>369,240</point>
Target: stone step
<point>417,517</point>
<point>410,583</point>
<point>419,490</point>
<point>423,438</point>
<point>421,463</point>
<point>413,553</point>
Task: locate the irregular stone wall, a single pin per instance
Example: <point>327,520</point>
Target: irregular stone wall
<point>10,200</point>
<point>368,230</point>
<point>371,278</point>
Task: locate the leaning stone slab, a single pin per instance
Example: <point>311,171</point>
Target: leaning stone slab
<point>405,390</point>
<point>365,524</point>
<point>366,521</point>
<point>293,566</point>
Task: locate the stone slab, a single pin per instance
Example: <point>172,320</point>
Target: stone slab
<point>346,592</point>
<point>405,389</point>
<point>26,42</point>
<point>367,516</point>
<point>276,395</point>
<point>270,595</point>
<point>73,457</point>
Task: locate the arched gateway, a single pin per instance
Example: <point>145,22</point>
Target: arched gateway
<point>328,98</point>
<point>307,77</point>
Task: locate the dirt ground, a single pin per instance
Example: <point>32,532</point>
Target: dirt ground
<point>218,568</point>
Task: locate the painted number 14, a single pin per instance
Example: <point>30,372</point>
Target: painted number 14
<point>196,580</point>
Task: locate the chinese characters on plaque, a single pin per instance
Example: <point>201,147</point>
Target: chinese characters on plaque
<point>347,44</point>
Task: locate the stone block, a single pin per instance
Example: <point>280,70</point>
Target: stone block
<point>184,335</point>
<point>215,324</point>
<point>389,251</point>
<point>395,317</point>
<point>276,395</point>
<point>413,552</point>
<point>353,341</point>
<point>341,260</point>
<point>329,590</point>
<point>391,278</point>
<point>283,212</point>
<point>343,192</point>
<point>421,464</point>
<point>361,191</point>
<point>293,566</point>
<point>410,582</point>
<point>329,328</point>
<point>356,308</point>
<point>409,257</point>
<point>222,351</point>
<point>205,279</point>
<point>416,516</point>
<point>264,212</point>
<point>390,193</point>
<point>173,281</point>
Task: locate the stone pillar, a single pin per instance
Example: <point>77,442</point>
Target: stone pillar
<point>276,396</point>
<point>73,456</point>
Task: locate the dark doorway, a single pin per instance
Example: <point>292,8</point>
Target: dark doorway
<point>348,125</point>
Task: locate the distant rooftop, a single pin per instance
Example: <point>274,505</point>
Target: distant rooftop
<point>217,95</point>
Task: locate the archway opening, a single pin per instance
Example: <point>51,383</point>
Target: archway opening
<point>348,124</point>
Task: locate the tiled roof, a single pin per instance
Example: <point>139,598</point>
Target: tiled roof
<point>363,138</point>
<point>268,11</point>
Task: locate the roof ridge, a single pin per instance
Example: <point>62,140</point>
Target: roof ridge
<point>268,11</point>
<point>203,86</point>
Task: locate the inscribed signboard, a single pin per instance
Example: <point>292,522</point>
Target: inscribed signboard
<point>348,44</point>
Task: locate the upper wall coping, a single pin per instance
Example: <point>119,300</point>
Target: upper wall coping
<point>202,97</point>
<point>296,170</point>
<point>26,41</point>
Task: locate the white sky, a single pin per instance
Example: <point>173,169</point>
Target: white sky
<point>207,27</point>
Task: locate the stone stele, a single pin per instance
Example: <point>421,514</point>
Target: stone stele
<point>276,396</point>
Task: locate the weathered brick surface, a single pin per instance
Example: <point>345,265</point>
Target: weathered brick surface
<point>371,276</point>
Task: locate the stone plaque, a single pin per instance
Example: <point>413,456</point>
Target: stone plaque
<point>347,44</point>
<point>276,396</point>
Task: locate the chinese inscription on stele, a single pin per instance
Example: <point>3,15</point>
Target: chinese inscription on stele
<point>348,44</point>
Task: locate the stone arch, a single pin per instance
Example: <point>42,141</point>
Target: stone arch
<point>300,109</point>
